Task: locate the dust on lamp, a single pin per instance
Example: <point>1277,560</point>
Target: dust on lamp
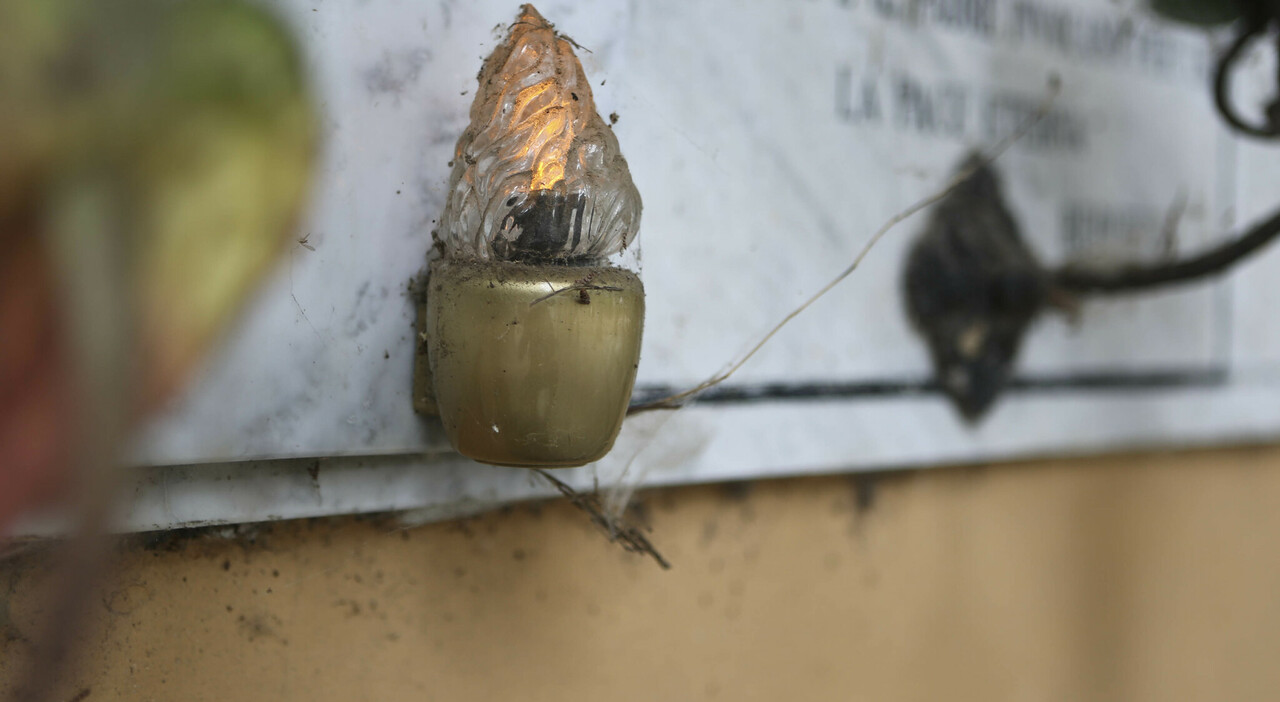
<point>530,322</point>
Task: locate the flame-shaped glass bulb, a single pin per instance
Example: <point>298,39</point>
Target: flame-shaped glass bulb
<point>538,176</point>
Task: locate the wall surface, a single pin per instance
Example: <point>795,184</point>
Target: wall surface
<point>769,140</point>
<point>1141,577</point>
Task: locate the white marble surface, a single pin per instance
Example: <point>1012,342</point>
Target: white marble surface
<point>748,132</point>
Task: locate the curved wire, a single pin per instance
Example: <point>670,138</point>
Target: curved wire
<point>1142,277</point>
<point>1221,83</point>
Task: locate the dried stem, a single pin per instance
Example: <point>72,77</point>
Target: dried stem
<point>575,286</point>
<point>677,400</point>
<point>631,537</point>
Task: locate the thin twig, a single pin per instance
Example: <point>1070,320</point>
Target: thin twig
<point>553,293</point>
<point>619,530</point>
<point>677,400</point>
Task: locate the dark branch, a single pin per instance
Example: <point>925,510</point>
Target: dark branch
<point>1140,277</point>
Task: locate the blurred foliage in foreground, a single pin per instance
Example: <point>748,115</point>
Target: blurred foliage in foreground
<point>181,131</point>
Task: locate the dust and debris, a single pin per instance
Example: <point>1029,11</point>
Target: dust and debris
<point>365,308</point>
<point>463,526</point>
<point>128,599</point>
<point>261,626</point>
<point>864,491</point>
<point>171,541</point>
<point>81,695</point>
<point>352,607</point>
<point>395,72</point>
<point>613,118</point>
<point>736,491</point>
<point>709,530</point>
<point>9,631</point>
<point>304,242</point>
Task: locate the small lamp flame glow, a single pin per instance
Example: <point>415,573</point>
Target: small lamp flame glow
<point>530,328</point>
<point>538,175</point>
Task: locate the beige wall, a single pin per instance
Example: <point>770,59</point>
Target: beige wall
<point>1148,577</point>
